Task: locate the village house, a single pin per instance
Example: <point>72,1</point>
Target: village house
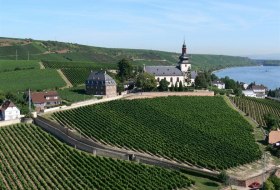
<point>100,83</point>
<point>9,111</point>
<point>256,91</point>
<point>219,84</point>
<point>44,100</point>
<point>173,74</point>
<point>274,138</point>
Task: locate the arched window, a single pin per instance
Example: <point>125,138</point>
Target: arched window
<point>158,79</point>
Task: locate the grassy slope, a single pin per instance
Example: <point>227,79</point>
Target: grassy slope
<point>24,79</point>
<point>37,50</point>
<point>11,65</point>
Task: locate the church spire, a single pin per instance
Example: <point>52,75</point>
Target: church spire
<point>184,47</point>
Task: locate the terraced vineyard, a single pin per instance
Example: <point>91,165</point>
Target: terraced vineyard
<point>257,108</point>
<point>199,130</point>
<point>33,159</point>
<point>76,76</point>
<point>77,64</point>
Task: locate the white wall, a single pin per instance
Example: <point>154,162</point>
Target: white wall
<point>185,67</point>
<point>11,113</point>
<point>168,78</point>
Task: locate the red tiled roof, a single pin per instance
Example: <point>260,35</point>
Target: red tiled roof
<point>40,97</point>
<point>7,104</point>
<point>258,87</point>
<point>274,137</point>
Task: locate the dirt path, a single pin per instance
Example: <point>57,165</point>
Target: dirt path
<point>68,83</point>
<point>41,65</point>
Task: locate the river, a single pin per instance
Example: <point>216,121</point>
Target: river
<point>266,75</point>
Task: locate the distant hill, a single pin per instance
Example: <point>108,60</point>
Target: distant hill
<point>24,49</point>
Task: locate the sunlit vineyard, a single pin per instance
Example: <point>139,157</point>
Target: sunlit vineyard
<point>33,159</point>
<point>257,108</point>
<point>199,130</point>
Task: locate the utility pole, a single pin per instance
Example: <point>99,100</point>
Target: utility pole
<point>16,55</point>
<point>29,100</point>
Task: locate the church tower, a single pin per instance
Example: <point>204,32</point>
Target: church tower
<point>183,63</point>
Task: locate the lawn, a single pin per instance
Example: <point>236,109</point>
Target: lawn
<point>75,94</point>
<point>34,79</point>
<point>12,65</point>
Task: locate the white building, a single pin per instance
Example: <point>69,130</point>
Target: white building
<point>9,111</point>
<point>257,91</point>
<point>219,84</point>
<point>173,74</point>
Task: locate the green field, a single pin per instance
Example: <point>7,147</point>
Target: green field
<point>199,130</point>
<point>74,94</point>
<point>257,108</point>
<point>33,159</point>
<point>34,79</point>
<point>12,65</point>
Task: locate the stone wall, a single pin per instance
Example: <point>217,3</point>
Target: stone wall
<point>164,94</point>
<point>86,144</point>
<point>9,122</point>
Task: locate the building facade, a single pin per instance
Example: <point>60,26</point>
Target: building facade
<point>9,111</point>
<point>43,100</point>
<point>100,83</point>
<point>219,84</point>
<point>173,74</point>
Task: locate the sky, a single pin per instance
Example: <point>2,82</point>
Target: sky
<point>232,27</point>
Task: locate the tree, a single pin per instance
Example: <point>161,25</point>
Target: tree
<point>200,81</point>
<point>270,120</point>
<point>176,86</point>
<point>223,177</point>
<point>146,81</point>
<point>172,87</point>
<point>268,185</point>
<point>125,69</point>
<point>180,86</point>
<point>163,85</point>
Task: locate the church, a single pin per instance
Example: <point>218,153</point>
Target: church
<point>174,74</point>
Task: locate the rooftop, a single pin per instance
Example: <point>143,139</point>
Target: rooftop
<point>164,70</point>
<point>40,97</point>
<point>7,104</point>
<point>100,77</point>
<point>274,137</point>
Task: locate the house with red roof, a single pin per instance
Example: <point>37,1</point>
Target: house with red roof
<point>44,100</point>
<point>9,111</point>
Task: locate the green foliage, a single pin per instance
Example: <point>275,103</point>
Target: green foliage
<point>271,121</point>
<point>74,94</point>
<point>276,182</point>
<point>22,80</point>
<point>200,81</point>
<point>163,85</point>
<point>258,108</point>
<point>125,70</point>
<point>268,185</point>
<point>146,81</point>
<point>223,177</point>
<point>180,86</point>
<point>200,130</point>
<point>172,88</point>
<point>33,159</point>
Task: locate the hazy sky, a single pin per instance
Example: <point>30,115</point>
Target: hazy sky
<point>236,27</point>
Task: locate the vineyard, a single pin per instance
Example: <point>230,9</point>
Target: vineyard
<point>257,108</point>
<point>77,76</point>
<point>33,159</point>
<point>77,64</point>
<point>198,130</point>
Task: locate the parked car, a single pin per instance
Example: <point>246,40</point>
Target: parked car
<point>255,185</point>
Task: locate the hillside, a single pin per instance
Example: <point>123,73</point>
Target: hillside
<point>33,159</point>
<point>22,49</point>
<point>202,131</point>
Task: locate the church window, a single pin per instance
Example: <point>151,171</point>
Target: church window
<point>171,79</point>
<point>177,79</point>
<point>158,79</point>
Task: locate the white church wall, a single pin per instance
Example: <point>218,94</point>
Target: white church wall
<point>171,79</point>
